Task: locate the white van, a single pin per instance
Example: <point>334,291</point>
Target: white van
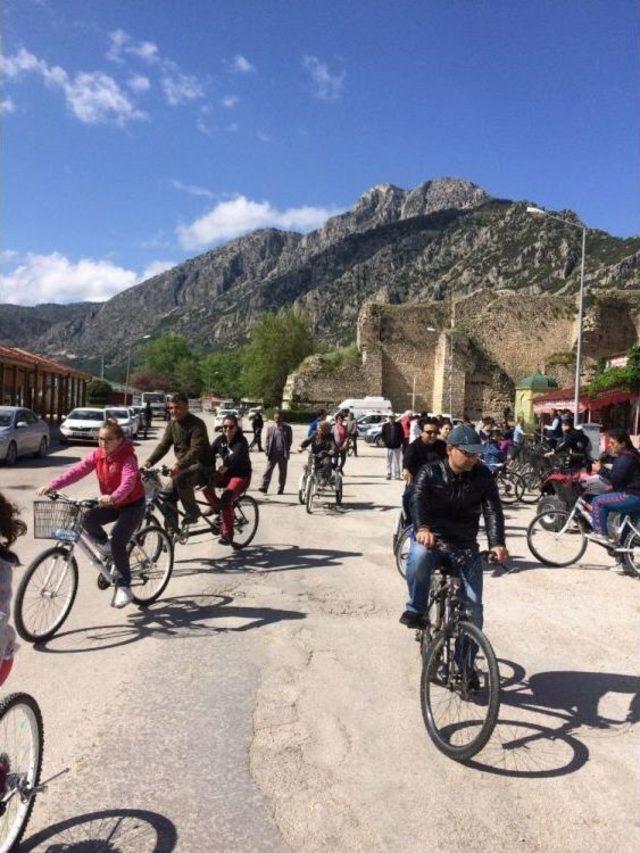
<point>365,406</point>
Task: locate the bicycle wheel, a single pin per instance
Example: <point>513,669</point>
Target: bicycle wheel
<point>402,550</point>
<point>21,745</point>
<point>245,521</point>
<point>631,557</point>
<point>302,485</point>
<point>151,560</point>
<point>460,691</point>
<point>338,488</point>
<point>510,487</point>
<point>532,480</point>
<point>310,496</point>
<point>46,594</point>
<point>555,538</point>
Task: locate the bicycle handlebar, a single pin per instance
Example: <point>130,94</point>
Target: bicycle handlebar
<point>85,503</point>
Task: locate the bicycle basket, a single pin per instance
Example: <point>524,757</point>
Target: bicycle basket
<point>152,488</point>
<point>57,520</point>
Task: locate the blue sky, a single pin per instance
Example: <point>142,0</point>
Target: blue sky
<point>137,134</point>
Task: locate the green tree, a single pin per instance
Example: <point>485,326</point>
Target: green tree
<point>98,391</point>
<point>279,342</point>
<point>165,353</point>
<point>186,377</point>
<point>221,372</point>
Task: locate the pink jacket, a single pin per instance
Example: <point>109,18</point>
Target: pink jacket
<point>129,487</point>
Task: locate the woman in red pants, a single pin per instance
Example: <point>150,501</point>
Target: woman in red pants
<point>233,476</point>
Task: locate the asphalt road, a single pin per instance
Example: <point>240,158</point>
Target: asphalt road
<point>269,701</point>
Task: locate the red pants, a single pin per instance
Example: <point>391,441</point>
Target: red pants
<point>232,487</point>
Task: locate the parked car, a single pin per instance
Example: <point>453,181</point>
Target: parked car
<point>139,411</point>
<point>222,414</point>
<point>374,435</point>
<point>135,421</point>
<point>369,420</point>
<point>125,418</point>
<point>22,432</point>
<point>82,424</point>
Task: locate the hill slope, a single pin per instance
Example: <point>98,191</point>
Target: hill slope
<point>445,236</point>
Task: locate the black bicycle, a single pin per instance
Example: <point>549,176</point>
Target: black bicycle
<point>460,683</point>
<point>164,511</point>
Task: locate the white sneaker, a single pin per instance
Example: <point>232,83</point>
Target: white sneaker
<point>122,597</point>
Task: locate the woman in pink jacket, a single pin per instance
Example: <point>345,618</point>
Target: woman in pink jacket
<point>121,499</point>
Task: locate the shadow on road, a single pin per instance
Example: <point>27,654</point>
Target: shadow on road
<point>179,617</point>
<point>275,558</point>
<point>523,749</point>
<point>125,830</point>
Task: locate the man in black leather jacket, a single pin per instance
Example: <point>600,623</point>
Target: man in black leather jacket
<point>447,500</point>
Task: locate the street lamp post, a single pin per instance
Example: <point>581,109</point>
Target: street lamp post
<point>126,382</point>
<point>537,211</point>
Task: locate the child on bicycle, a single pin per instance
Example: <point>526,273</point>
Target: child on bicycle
<point>121,499</point>
<point>10,528</point>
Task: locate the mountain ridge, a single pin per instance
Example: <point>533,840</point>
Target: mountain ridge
<point>445,236</point>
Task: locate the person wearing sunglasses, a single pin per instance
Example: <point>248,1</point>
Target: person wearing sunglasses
<point>426,448</point>
<point>232,476</point>
<point>446,504</point>
<point>188,436</point>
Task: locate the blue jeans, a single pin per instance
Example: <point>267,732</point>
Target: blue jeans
<point>421,562</point>
<point>620,502</point>
<point>406,500</point>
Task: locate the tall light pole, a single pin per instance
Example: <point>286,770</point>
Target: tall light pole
<point>126,382</point>
<point>537,211</point>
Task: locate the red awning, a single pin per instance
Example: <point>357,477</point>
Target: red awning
<point>610,398</point>
<point>563,399</point>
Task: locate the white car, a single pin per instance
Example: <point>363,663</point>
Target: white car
<point>124,417</point>
<point>222,414</point>
<point>82,424</point>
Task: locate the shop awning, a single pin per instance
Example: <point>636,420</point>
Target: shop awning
<point>560,399</point>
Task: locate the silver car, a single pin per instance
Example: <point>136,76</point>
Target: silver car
<point>22,433</point>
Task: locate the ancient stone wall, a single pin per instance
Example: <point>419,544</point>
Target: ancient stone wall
<point>314,386</point>
<point>497,339</point>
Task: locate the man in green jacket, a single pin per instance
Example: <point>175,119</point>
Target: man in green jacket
<point>188,436</point>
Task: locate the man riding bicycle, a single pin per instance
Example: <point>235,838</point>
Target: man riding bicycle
<point>446,504</point>
<point>188,436</point>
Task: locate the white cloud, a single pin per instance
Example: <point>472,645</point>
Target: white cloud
<point>230,101</point>
<point>7,255</point>
<point>326,85</point>
<point>121,45</point>
<point>155,268</point>
<point>54,278</point>
<point>240,215</point>
<point>241,65</point>
<point>7,106</point>
<point>93,97</point>
<point>192,189</point>
<point>178,87</point>
<point>139,83</point>
<point>263,137</point>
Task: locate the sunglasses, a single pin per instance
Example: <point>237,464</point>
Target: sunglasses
<point>229,426</point>
<point>107,440</point>
<point>466,453</point>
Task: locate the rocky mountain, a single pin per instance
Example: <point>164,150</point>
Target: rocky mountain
<point>444,236</point>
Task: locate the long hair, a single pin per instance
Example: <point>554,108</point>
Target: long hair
<point>10,525</point>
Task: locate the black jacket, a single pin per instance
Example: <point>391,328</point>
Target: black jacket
<point>573,441</point>
<point>419,453</point>
<point>449,504</point>
<point>235,456</point>
<point>625,473</point>
<point>392,435</point>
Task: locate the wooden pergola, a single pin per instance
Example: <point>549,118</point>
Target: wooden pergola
<point>39,383</point>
